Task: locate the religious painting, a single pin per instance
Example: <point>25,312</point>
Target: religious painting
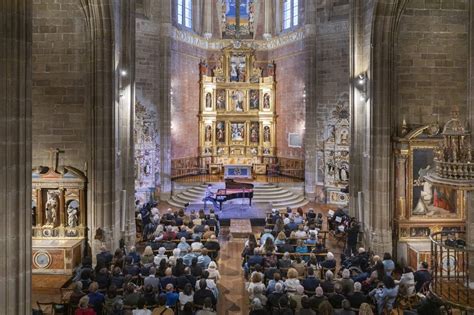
<point>220,99</point>
<point>266,151</point>
<point>237,131</point>
<point>254,132</point>
<point>266,101</point>
<point>254,99</point>
<point>419,232</point>
<point>266,134</point>
<point>208,100</point>
<point>220,132</point>
<point>237,98</point>
<point>253,151</point>
<point>207,151</point>
<point>208,134</point>
<point>422,196</point>
<point>237,68</point>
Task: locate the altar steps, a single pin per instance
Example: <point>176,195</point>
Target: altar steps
<point>278,197</point>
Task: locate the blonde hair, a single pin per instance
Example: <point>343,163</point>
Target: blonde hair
<point>256,277</point>
<point>292,273</point>
<point>148,251</point>
<point>84,302</point>
<point>365,309</point>
<point>281,236</point>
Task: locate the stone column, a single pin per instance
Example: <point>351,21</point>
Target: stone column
<point>15,157</point>
<point>470,113</point>
<point>39,207</point>
<point>267,31</point>
<point>207,16</point>
<point>62,208</point>
<point>164,98</point>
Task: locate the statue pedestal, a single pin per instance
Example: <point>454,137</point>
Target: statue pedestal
<point>56,256</point>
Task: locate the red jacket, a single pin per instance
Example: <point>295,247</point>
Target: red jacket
<point>87,311</point>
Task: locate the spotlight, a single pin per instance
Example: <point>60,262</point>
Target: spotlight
<point>361,79</point>
<point>123,73</point>
<point>362,97</point>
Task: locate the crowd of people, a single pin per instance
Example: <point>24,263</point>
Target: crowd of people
<point>176,273</point>
<point>289,271</point>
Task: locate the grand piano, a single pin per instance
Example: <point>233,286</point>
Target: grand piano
<point>234,190</point>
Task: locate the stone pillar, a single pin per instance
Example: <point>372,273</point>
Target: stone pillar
<point>62,208</point>
<point>267,31</point>
<point>39,207</point>
<point>207,16</point>
<point>165,98</point>
<point>401,182</point>
<point>125,46</point>
<point>470,113</point>
<point>15,157</point>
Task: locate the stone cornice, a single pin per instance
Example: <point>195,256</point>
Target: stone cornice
<point>200,42</point>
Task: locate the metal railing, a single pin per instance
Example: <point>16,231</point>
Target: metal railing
<point>450,268</point>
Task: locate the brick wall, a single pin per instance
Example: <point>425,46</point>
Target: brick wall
<point>431,60</point>
<point>59,95</point>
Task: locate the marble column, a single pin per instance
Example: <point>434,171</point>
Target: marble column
<point>15,156</point>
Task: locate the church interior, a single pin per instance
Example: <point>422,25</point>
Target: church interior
<point>237,157</point>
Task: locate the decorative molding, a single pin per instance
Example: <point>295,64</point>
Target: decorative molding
<point>273,43</point>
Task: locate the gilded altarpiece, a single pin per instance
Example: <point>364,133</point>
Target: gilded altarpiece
<point>421,206</point>
<point>237,117</point>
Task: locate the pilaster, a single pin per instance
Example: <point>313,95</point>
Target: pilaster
<point>15,156</point>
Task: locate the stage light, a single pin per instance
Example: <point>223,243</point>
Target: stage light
<point>123,73</point>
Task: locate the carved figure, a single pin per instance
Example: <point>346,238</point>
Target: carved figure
<point>266,101</point>
<point>72,215</point>
<point>266,134</point>
<point>203,67</point>
<point>208,100</point>
<point>51,208</point>
<point>208,133</point>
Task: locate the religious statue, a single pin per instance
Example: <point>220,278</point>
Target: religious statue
<point>254,99</point>
<point>208,134</point>
<point>254,132</point>
<point>202,67</point>
<point>266,134</point>
<point>343,173</point>
<point>426,195</point>
<point>220,132</point>
<point>220,101</point>
<point>72,215</point>
<point>266,101</point>
<point>51,208</point>
<point>234,74</point>
<point>208,100</point>
<point>343,137</point>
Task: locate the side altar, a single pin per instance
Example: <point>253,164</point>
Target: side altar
<point>237,171</point>
<point>237,117</point>
<point>59,218</point>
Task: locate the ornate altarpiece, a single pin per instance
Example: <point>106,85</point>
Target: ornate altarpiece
<point>237,117</point>
<point>59,218</point>
<point>424,202</point>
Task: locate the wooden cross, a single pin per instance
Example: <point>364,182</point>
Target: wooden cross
<point>54,157</point>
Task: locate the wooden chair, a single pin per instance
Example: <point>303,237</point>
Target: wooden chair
<point>46,307</point>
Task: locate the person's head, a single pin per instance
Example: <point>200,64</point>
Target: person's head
<point>212,265</point>
<point>276,276</point>
<point>256,304</point>
<point>161,300</point>
<point>346,274</point>
<point>338,287</point>
<point>77,286</point>
<point>161,250</point>
<point>346,305</point>
<point>300,289</point>
<point>325,308</point>
<point>168,272</point>
<point>310,271</point>
<point>357,286</point>
<point>256,277</point>
<point>148,251</point>
<point>169,287</point>
<point>365,309</point>
<point>188,289</point>
<point>388,282</point>
<point>133,249</point>
<point>183,239</point>
<point>176,252</point>
<point>330,256</point>
<point>278,287</point>
<point>299,242</point>
<point>319,292</point>
<point>197,239</point>
<point>424,265</point>
<point>283,301</point>
<point>204,252</point>
<point>93,287</point>
<point>208,303</point>
<point>387,256</point>
<point>117,271</point>
<point>286,255</point>
<point>361,250</point>
<point>202,284</point>
<point>152,271</point>
<point>84,302</point>
<point>118,252</point>
<point>329,275</point>
<point>194,261</point>
<point>292,273</point>
<point>163,264</point>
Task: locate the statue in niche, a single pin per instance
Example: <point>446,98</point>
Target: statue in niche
<point>266,101</point>
<point>266,134</point>
<point>51,208</point>
<point>344,173</point>
<point>208,100</point>
<point>220,100</point>
<point>254,132</point>
<point>220,132</point>
<point>343,138</point>
<point>426,195</point>
<point>208,134</point>
<point>254,95</point>
<point>72,217</point>
<point>234,74</point>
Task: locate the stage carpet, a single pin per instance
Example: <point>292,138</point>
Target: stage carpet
<point>237,209</point>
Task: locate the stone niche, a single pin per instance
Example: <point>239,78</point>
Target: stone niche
<point>59,219</point>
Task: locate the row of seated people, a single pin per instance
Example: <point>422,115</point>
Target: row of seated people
<point>173,258</point>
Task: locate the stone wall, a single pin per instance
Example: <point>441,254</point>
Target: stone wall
<point>59,93</point>
<point>432,54</point>
<point>185,99</point>
<point>291,66</point>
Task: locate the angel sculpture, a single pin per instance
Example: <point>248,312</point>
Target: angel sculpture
<point>426,195</point>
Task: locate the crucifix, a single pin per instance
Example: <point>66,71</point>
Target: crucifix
<point>54,157</point>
